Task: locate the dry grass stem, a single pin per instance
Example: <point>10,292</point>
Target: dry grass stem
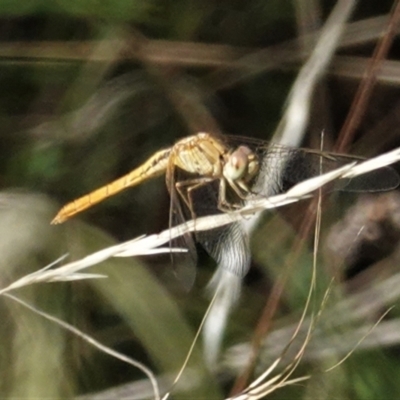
<point>150,244</point>
<point>93,342</point>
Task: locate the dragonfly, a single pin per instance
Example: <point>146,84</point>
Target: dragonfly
<point>208,173</point>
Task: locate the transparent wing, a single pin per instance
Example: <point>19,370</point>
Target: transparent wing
<point>282,167</point>
<point>184,264</point>
<point>228,245</point>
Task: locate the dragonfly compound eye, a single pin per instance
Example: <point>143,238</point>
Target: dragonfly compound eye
<point>252,167</point>
<point>237,164</point>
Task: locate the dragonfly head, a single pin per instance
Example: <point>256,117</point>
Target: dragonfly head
<point>241,164</point>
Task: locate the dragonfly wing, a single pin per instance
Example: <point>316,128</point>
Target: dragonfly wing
<point>282,167</point>
<point>184,264</point>
<point>228,245</point>
<point>379,180</point>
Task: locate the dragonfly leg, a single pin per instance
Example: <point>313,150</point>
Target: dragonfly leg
<point>186,187</point>
<point>223,204</point>
<point>240,189</point>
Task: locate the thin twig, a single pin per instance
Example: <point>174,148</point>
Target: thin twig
<point>93,342</point>
<point>367,85</point>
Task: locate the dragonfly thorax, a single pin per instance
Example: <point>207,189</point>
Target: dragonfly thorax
<point>201,154</point>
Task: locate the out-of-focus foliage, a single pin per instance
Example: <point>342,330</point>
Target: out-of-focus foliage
<point>118,11</point>
<point>89,90</point>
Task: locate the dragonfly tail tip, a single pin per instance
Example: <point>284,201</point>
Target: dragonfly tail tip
<point>58,219</point>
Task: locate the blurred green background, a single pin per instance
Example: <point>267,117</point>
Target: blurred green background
<point>89,90</point>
